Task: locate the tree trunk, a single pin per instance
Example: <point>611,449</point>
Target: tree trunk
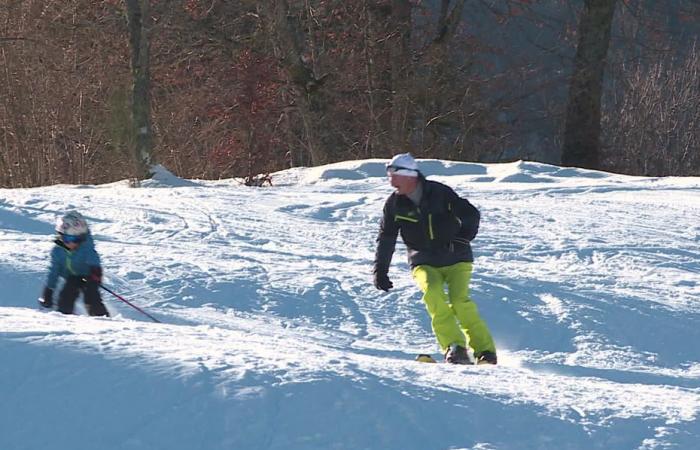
<point>138,14</point>
<point>582,129</point>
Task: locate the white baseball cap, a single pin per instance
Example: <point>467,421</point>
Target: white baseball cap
<point>403,164</point>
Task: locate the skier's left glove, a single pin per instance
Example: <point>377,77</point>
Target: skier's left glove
<point>382,281</point>
<point>96,274</point>
<point>46,299</point>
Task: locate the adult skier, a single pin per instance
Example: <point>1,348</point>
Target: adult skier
<point>437,226</point>
<point>75,259</point>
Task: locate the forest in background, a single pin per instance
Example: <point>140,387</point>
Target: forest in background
<point>94,91</point>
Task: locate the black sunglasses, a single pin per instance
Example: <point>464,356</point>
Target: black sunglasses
<point>391,168</point>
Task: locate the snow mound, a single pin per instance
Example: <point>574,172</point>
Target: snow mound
<point>163,178</point>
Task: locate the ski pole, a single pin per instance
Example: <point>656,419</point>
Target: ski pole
<point>130,304</point>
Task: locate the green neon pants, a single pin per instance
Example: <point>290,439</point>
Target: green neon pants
<point>454,316</point>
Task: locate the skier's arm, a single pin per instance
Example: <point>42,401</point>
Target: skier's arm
<point>467,214</point>
<point>386,241</point>
<point>55,268</point>
<point>92,258</point>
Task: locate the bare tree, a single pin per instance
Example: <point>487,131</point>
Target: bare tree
<point>582,128</point>
<point>288,38</point>
<point>58,72</point>
<point>400,57</point>
<point>653,119</point>
<point>236,89</point>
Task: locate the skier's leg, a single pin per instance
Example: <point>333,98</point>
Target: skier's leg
<point>93,301</point>
<point>431,282</point>
<point>458,277</point>
<point>68,295</point>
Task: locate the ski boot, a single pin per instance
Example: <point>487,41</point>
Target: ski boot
<point>487,357</point>
<point>456,354</point>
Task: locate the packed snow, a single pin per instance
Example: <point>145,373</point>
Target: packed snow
<point>273,336</point>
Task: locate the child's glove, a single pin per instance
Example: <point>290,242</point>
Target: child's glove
<point>96,274</point>
<point>46,299</point>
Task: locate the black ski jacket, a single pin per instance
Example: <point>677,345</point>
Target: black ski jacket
<point>437,232</point>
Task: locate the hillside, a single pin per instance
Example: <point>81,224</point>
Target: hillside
<point>273,336</point>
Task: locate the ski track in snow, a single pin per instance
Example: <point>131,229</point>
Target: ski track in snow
<point>587,280</point>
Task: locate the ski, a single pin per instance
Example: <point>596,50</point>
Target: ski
<point>425,358</point>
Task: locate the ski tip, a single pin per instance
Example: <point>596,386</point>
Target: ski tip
<point>425,358</point>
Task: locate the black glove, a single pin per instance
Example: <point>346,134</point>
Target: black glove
<point>382,281</point>
<point>96,274</point>
<point>46,299</point>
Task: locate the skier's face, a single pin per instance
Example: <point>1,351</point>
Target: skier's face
<point>404,185</point>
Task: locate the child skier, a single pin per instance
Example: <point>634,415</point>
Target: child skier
<point>74,258</point>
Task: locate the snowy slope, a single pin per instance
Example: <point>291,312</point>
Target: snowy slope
<point>274,338</point>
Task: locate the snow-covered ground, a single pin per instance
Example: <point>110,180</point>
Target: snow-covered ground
<point>273,337</point>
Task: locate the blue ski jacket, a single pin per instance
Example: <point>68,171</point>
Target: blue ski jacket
<point>66,263</point>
